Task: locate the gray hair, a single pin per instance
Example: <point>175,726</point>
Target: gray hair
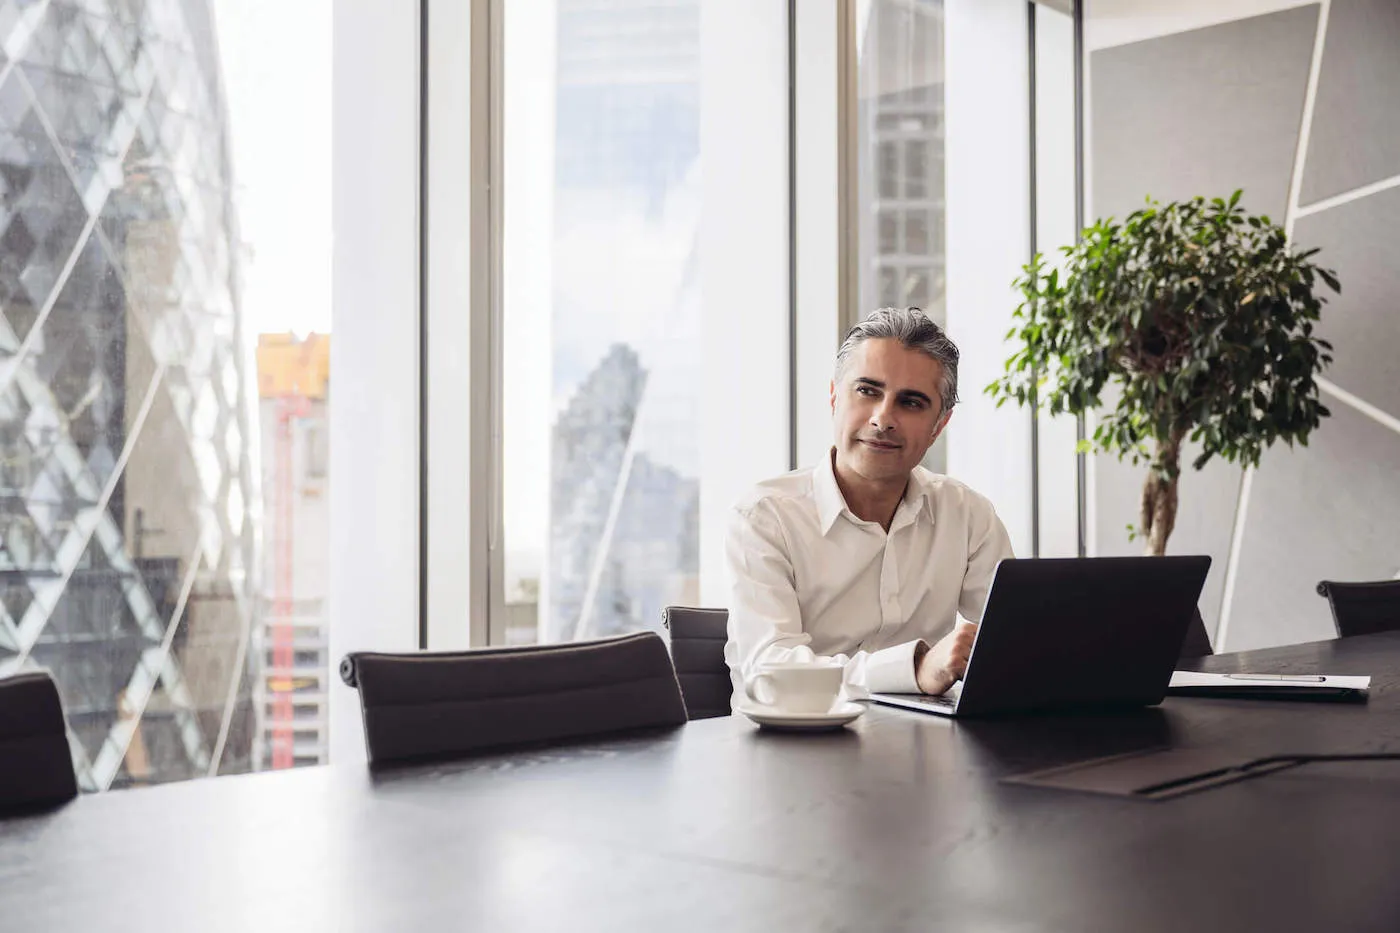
<point>915,331</point>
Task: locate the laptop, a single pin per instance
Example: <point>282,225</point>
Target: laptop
<point>1074,633</point>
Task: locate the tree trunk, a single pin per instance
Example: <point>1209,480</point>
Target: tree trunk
<point>1157,513</point>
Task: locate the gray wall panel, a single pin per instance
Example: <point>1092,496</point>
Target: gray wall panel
<point>1359,239</point>
<point>1355,137</point>
<point>1326,511</point>
<point>1201,112</point>
<point>1207,111</point>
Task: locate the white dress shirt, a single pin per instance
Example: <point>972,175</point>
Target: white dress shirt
<point>810,581</point>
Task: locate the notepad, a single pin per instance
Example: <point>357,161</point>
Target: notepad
<point>1270,686</point>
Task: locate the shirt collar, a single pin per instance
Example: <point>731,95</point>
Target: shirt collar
<point>919,495</point>
<point>831,504</point>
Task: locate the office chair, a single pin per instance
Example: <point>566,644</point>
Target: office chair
<point>697,650</point>
<point>445,704</point>
<point>1363,608</point>
<point>36,767</point>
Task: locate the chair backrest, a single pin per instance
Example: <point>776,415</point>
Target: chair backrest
<point>1197,642</point>
<point>697,650</point>
<point>458,703</point>
<point>36,767</point>
<point>1363,608</point>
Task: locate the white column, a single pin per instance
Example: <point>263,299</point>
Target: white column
<point>374,353</point>
<point>528,261</point>
<point>986,101</point>
<point>451,574</point>
<point>744,262</point>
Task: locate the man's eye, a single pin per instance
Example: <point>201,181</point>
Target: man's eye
<point>864,390</point>
<point>913,403</point>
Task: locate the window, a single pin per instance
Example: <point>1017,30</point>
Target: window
<point>916,234</point>
<point>135,278</point>
<point>899,144</point>
<point>889,233</point>
<point>606,377</point>
<point>900,152</point>
<point>887,174</point>
<point>916,169</point>
<point>891,290</point>
<point>601,532</point>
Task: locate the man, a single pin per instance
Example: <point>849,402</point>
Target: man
<point>867,558</point>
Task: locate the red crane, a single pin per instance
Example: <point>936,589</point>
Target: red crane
<point>291,407</point>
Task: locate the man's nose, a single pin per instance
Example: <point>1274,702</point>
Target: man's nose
<point>882,418</point>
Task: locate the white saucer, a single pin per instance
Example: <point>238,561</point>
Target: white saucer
<point>834,718</point>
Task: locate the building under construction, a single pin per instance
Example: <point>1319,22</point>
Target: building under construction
<point>290,691</point>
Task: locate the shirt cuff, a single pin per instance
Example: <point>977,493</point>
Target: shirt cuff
<point>891,670</point>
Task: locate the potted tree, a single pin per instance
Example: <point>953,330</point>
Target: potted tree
<point>1200,315</point>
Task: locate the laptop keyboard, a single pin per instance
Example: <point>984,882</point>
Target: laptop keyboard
<point>938,702</point>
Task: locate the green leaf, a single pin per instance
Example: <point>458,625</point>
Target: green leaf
<point>1195,315</point>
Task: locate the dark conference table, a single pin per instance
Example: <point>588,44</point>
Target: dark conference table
<point>897,823</point>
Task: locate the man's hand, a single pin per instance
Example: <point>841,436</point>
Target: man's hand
<point>944,664</point>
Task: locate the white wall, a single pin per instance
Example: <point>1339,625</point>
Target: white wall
<point>374,353</point>
<point>986,100</point>
<point>744,262</point>
<point>451,574</point>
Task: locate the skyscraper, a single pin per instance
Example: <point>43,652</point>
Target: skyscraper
<point>623,521</point>
<point>623,529</point>
<point>290,695</point>
<point>127,495</point>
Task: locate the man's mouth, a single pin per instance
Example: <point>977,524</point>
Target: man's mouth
<point>880,445</point>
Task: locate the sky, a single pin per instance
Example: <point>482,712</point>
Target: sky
<point>276,58</point>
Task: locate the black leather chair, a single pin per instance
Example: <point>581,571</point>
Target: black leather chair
<point>36,767</point>
<point>446,704</point>
<point>1363,608</point>
<point>1197,642</point>
<point>697,650</point>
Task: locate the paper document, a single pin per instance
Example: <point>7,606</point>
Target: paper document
<point>1241,684</point>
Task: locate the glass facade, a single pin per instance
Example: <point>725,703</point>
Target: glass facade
<point>614,340</point>
<point>900,163</point>
<point>127,489</point>
<point>900,144</point>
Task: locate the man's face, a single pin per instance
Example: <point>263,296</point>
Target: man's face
<point>886,410</point>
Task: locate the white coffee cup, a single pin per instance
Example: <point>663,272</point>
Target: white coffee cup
<point>796,688</point>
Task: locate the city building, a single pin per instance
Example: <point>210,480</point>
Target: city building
<point>901,168</point>
<point>623,529</point>
<point>290,643</point>
<point>128,528</point>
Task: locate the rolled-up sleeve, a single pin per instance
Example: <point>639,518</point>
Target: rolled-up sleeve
<point>765,617</point>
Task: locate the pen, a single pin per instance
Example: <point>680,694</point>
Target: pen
<point>1308,678</point>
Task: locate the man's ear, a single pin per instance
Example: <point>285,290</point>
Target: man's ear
<point>833,396</point>
<point>942,423</point>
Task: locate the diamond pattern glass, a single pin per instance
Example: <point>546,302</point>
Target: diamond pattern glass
<point>125,522</point>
